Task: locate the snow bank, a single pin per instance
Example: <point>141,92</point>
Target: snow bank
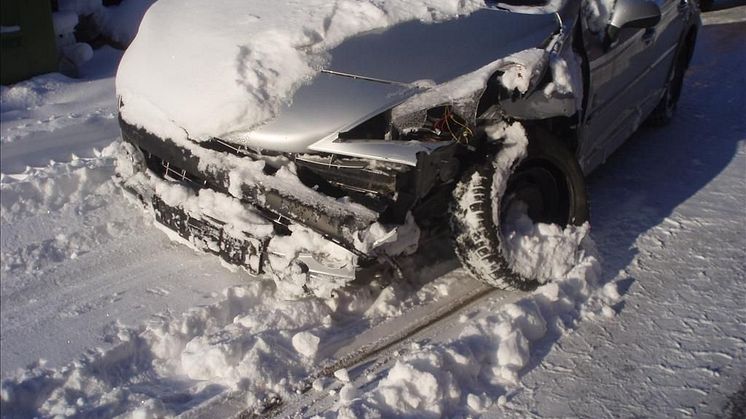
<point>77,187</point>
<point>20,100</point>
<point>251,343</point>
<point>210,69</point>
<point>479,368</point>
<point>52,102</point>
<point>52,187</point>
<point>238,343</point>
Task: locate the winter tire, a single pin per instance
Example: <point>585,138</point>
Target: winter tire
<point>551,182</point>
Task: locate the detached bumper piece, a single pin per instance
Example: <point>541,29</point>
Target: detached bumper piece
<point>210,236</point>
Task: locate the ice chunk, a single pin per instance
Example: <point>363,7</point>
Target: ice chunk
<point>306,343</point>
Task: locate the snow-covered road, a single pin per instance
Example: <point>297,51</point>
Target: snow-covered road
<point>79,261</point>
<point>76,256</point>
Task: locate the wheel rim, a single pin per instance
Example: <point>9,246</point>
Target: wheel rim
<point>542,189</point>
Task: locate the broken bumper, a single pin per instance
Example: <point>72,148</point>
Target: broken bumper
<point>336,221</point>
<point>337,198</point>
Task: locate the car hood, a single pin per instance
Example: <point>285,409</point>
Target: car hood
<point>392,66</point>
<point>249,72</point>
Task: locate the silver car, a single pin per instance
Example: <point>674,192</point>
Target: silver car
<point>368,133</point>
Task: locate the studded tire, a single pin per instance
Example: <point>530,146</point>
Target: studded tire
<point>477,237</point>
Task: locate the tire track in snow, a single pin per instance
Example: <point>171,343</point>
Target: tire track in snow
<point>377,345</point>
<point>84,296</point>
<point>371,359</point>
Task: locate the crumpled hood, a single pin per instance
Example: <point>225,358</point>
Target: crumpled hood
<point>409,55</point>
<point>207,68</point>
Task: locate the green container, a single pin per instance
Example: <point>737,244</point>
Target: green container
<point>27,40</point>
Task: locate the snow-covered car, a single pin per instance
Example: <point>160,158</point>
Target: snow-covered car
<point>313,140</point>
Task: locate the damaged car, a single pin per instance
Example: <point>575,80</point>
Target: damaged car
<point>313,141</point>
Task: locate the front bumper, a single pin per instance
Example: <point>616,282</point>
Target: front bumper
<point>336,221</point>
<point>373,210</point>
<point>209,235</point>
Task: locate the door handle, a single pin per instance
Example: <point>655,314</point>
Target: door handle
<point>648,36</point>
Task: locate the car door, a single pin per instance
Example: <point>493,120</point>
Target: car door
<point>661,54</point>
<point>627,77</point>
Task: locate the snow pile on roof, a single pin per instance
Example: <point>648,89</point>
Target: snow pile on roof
<point>211,68</point>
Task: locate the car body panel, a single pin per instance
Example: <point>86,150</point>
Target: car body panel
<point>435,52</point>
<point>440,52</point>
<point>627,79</point>
<point>325,106</point>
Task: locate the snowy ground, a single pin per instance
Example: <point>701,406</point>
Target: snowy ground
<point>79,262</point>
<point>75,256</point>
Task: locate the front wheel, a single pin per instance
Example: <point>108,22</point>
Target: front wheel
<point>545,185</point>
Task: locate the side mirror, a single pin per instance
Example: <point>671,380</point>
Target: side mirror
<point>633,14</point>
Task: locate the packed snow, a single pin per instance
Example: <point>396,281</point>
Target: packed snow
<point>258,346</point>
<point>466,374</point>
<point>541,251</point>
<point>242,221</point>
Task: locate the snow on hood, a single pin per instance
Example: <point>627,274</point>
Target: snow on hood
<point>201,68</point>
